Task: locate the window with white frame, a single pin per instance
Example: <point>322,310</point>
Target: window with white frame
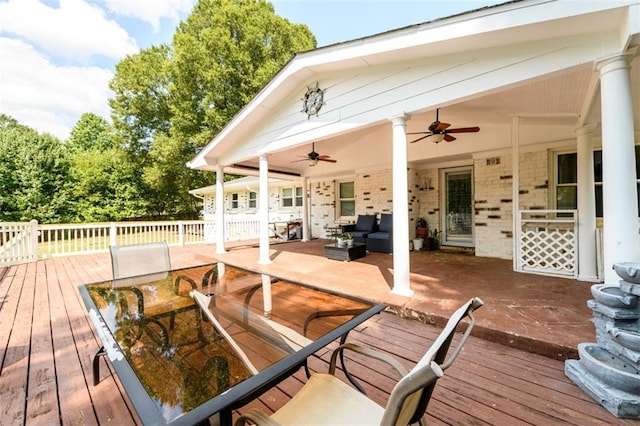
<point>566,180</point>
<point>346,199</point>
<point>253,200</point>
<point>291,197</point>
<point>235,201</point>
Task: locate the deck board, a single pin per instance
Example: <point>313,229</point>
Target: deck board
<point>47,343</point>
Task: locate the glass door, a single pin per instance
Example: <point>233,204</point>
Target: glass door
<point>457,221</point>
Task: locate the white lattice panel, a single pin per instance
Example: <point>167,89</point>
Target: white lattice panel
<point>548,251</point>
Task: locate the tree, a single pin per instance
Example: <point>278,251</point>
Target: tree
<point>169,100</point>
<point>104,183</point>
<point>105,186</point>
<point>224,53</point>
<point>140,107</point>
<point>91,132</point>
<point>33,174</point>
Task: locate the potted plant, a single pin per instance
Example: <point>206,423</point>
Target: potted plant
<point>421,228</point>
<point>433,240</point>
<point>343,239</point>
<point>348,239</point>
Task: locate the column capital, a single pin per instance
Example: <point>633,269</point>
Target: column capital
<point>585,130</point>
<point>616,62</point>
<point>399,120</point>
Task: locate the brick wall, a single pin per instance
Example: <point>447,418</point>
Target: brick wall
<point>427,182</point>
<point>493,199</point>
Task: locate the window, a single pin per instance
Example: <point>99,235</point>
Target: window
<point>253,200</point>
<point>347,199</point>
<point>292,197</point>
<point>234,201</point>
<point>567,180</point>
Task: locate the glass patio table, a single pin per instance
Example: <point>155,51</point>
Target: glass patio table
<point>186,347</point>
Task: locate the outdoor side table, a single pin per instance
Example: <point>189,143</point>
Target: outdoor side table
<point>336,252</point>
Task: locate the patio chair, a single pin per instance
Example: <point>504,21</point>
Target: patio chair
<point>382,240</point>
<point>365,225</point>
<point>325,399</point>
<point>144,263</point>
<point>140,259</point>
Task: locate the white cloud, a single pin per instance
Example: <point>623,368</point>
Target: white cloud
<point>150,11</point>
<point>76,30</point>
<point>47,97</point>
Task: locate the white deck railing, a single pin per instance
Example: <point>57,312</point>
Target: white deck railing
<point>26,242</point>
<point>18,242</point>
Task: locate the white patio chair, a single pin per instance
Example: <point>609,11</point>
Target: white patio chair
<point>327,400</point>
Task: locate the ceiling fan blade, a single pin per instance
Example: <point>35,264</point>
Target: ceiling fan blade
<point>463,130</point>
<point>323,157</point>
<point>297,161</point>
<point>441,127</point>
<point>328,160</point>
<point>420,133</point>
<point>419,139</point>
<point>449,138</point>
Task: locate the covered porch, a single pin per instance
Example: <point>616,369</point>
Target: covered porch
<point>548,85</point>
<point>47,341</point>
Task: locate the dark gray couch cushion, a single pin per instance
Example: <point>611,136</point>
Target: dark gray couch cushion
<point>365,223</point>
<point>386,222</point>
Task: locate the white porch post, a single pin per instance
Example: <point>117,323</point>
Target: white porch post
<point>620,199</point>
<point>515,192</point>
<point>401,284</point>
<point>220,209</point>
<point>264,210</point>
<point>587,267</point>
<point>305,210</point>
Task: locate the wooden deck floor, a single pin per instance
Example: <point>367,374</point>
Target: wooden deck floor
<point>47,343</point>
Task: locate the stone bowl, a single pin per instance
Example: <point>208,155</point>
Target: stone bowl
<point>609,368</point>
<point>628,271</point>
<point>613,296</point>
<point>628,338</point>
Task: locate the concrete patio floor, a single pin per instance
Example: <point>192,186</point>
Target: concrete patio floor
<point>539,314</point>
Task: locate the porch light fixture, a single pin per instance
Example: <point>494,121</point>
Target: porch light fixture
<point>437,137</point>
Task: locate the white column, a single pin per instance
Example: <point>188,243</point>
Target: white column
<point>263,197</point>
<point>220,209</point>
<point>587,266</point>
<point>401,284</point>
<point>515,192</point>
<point>305,209</point>
<point>620,200</point>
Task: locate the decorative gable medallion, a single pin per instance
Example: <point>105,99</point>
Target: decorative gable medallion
<point>312,101</point>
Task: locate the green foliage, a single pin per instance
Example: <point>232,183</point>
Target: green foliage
<point>224,53</point>
<point>33,173</point>
<point>91,132</point>
<point>168,100</point>
<point>169,180</point>
<point>140,107</point>
<point>105,186</point>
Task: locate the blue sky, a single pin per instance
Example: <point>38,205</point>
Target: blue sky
<point>58,56</point>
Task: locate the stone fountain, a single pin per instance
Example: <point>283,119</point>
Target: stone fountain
<point>609,370</point>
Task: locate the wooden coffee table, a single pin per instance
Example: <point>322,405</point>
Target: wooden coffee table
<point>356,251</point>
